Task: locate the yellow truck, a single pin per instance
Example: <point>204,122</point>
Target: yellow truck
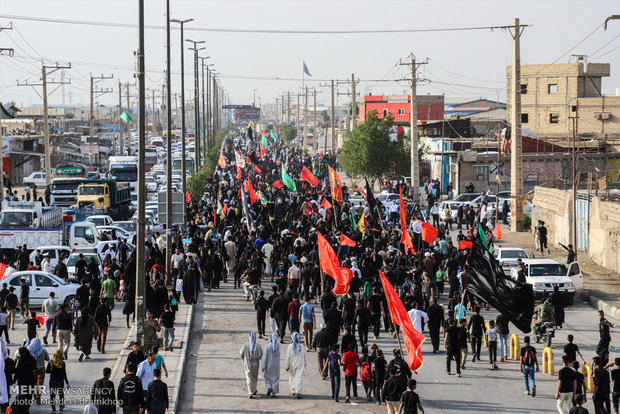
<point>105,197</point>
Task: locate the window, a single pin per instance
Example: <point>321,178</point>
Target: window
<point>523,88</point>
<point>481,172</point>
<point>385,113</point>
<point>51,253</point>
<point>552,88</point>
<point>16,280</point>
<point>554,118</point>
<point>85,233</point>
<point>401,112</point>
<point>525,118</point>
<point>43,281</point>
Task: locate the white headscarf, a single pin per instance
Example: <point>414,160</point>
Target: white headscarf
<point>296,342</point>
<point>252,342</point>
<point>275,344</point>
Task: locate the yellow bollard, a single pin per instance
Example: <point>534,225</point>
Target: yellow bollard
<point>586,370</point>
<point>486,343</point>
<point>548,365</point>
<point>515,348</point>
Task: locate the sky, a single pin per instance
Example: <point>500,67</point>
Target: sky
<point>460,64</point>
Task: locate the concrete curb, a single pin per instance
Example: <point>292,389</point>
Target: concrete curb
<point>181,363</point>
<point>122,356</point>
<point>599,304</point>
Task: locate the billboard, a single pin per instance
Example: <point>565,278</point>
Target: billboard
<point>243,115</point>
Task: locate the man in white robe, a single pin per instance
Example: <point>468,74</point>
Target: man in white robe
<point>295,365</point>
<point>251,354</point>
<point>271,365</point>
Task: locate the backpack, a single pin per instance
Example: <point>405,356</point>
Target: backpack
<point>528,357</point>
<point>365,374</point>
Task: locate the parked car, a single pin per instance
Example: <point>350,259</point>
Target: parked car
<point>357,202</point>
<point>102,246</point>
<point>54,253</point>
<point>37,179</point>
<point>123,234</point>
<point>128,226</point>
<point>41,284</point>
<point>545,274</point>
<point>507,257</point>
<point>454,207</point>
<point>74,257</point>
<point>100,220</point>
<point>150,183</point>
<point>387,199</point>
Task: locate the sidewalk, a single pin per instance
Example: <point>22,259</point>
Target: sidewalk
<point>174,360</point>
<point>601,286</point>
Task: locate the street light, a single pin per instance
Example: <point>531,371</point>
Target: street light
<point>254,99</point>
<point>196,104</point>
<point>205,134</point>
<point>182,23</point>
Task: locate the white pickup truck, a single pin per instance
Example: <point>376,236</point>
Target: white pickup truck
<point>30,224</point>
<point>545,274</point>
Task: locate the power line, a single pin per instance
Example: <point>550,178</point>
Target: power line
<point>606,53</point>
<point>260,31</point>
<point>580,42</point>
<point>602,47</point>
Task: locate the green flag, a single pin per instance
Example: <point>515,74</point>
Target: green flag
<point>352,221</point>
<point>491,248</point>
<point>264,141</point>
<point>125,117</point>
<point>274,136</point>
<point>483,236</point>
<point>288,181</point>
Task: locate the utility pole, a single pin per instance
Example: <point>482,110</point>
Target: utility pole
<point>275,114</point>
<point>305,140</point>
<point>574,173</point>
<point>353,103</point>
<point>297,116</point>
<point>316,136</point>
<point>127,126</point>
<point>9,52</point>
<point>516,159</point>
<point>168,144</point>
<point>214,107</point>
<point>204,115</point>
<point>333,121</point>
<point>197,155</point>
<point>93,81</point>
<point>141,228</point>
<point>47,70</point>
<point>120,121</point>
<point>288,107</point>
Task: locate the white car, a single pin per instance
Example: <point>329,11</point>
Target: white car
<point>41,284</point>
<point>507,257</point>
<point>545,274</point>
<point>102,246</point>
<point>100,220</point>
<point>72,260</point>
<point>128,226</point>
<point>356,203</point>
<point>387,199</point>
<point>120,232</point>
<point>454,207</point>
<point>150,183</point>
<point>54,253</point>
<point>37,178</point>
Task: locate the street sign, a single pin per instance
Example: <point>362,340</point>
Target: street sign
<point>178,206</point>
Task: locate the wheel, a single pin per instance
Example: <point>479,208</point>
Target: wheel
<point>537,339</point>
<point>69,300</point>
<point>549,341</point>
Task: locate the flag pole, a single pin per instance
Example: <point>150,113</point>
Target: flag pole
<point>397,332</point>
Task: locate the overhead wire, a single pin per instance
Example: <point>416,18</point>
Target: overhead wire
<point>603,47</point>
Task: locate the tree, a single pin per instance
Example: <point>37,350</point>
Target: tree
<point>69,115</point>
<point>369,151</point>
<point>288,132</point>
<point>324,115</point>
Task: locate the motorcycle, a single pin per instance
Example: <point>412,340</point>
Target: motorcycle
<point>252,293</point>
<point>545,332</point>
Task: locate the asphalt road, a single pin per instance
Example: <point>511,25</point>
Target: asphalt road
<point>214,380</point>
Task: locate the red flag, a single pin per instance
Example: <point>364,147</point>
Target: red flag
<point>253,196</point>
<point>405,237</point>
<point>238,176</point>
<point>412,338</point>
<point>247,159</point>
<point>278,162</point>
<point>306,175</point>
<point>188,198</point>
<point>326,204</point>
<point>497,231</point>
<point>428,232</point>
<point>245,186</point>
<point>215,217</point>
<point>258,171</point>
<point>336,186</point>
<point>465,244</point>
<point>221,161</point>
<point>277,184</point>
<point>331,266</point>
<point>311,213</point>
<point>345,241</point>
<point>263,150</point>
<point>2,270</point>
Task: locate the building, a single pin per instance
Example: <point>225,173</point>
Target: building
<point>477,109</point>
<point>430,108</point>
<point>552,95</point>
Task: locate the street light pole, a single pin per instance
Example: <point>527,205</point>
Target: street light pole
<point>140,239</point>
<point>183,155</point>
<point>168,145</point>
<point>254,99</point>
<point>196,105</point>
<point>204,109</point>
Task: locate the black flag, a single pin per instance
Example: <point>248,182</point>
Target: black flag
<point>487,281</point>
<point>372,204</point>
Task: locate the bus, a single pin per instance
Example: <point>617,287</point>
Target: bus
<point>177,166</point>
<point>174,136</point>
<point>67,178</point>
<point>124,169</point>
<point>150,157</point>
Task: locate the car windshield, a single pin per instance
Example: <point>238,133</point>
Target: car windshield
<point>514,254</point>
<point>90,190</point>
<point>547,270</point>
<point>65,187</point>
<point>75,257</point>
<point>466,197</point>
<point>15,219</point>
<point>126,226</point>
<point>97,221</point>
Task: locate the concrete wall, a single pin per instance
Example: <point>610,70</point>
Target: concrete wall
<point>605,234</point>
<point>554,207</point>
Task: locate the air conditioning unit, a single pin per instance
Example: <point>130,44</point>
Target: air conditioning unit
<point>605,115</point>
<point>596,115</point>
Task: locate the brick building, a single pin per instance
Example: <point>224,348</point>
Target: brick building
<point>552,94</point>
<point>430,108</point>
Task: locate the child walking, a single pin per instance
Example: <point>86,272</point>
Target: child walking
<point>334,361</point>
<point>492,335</point>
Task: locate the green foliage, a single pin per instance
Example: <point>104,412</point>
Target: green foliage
<point>197,183</point>
<point>527,222</point>
<point>69,115</point>
<point>324,115</point>
<point>288,132</point>
<point>369,151</point>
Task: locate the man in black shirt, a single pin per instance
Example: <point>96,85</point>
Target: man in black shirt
<point>452,340</point>
<point>24,298</point>
<point>157,394</point>
<point>321,342</point>
<point>600,396</point>
<point>567,384</point>
<point>80,268</point>
<point>571,350</point>
<point>603,329</point>
<point>403,369</point>
<point>130,394</point>
<point>102,394</point>
<point>3,293</point>
<point>477,329</point>
<point>23,259</point>
<point>279,309</point>
<point>11,303</point>
<point>261,307</point>
<point>135,356</point>
<point>375,305</point>
<point>82,294</point>
<point>103,318</point>
<point>435,322</point>
<point>615,378</point>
